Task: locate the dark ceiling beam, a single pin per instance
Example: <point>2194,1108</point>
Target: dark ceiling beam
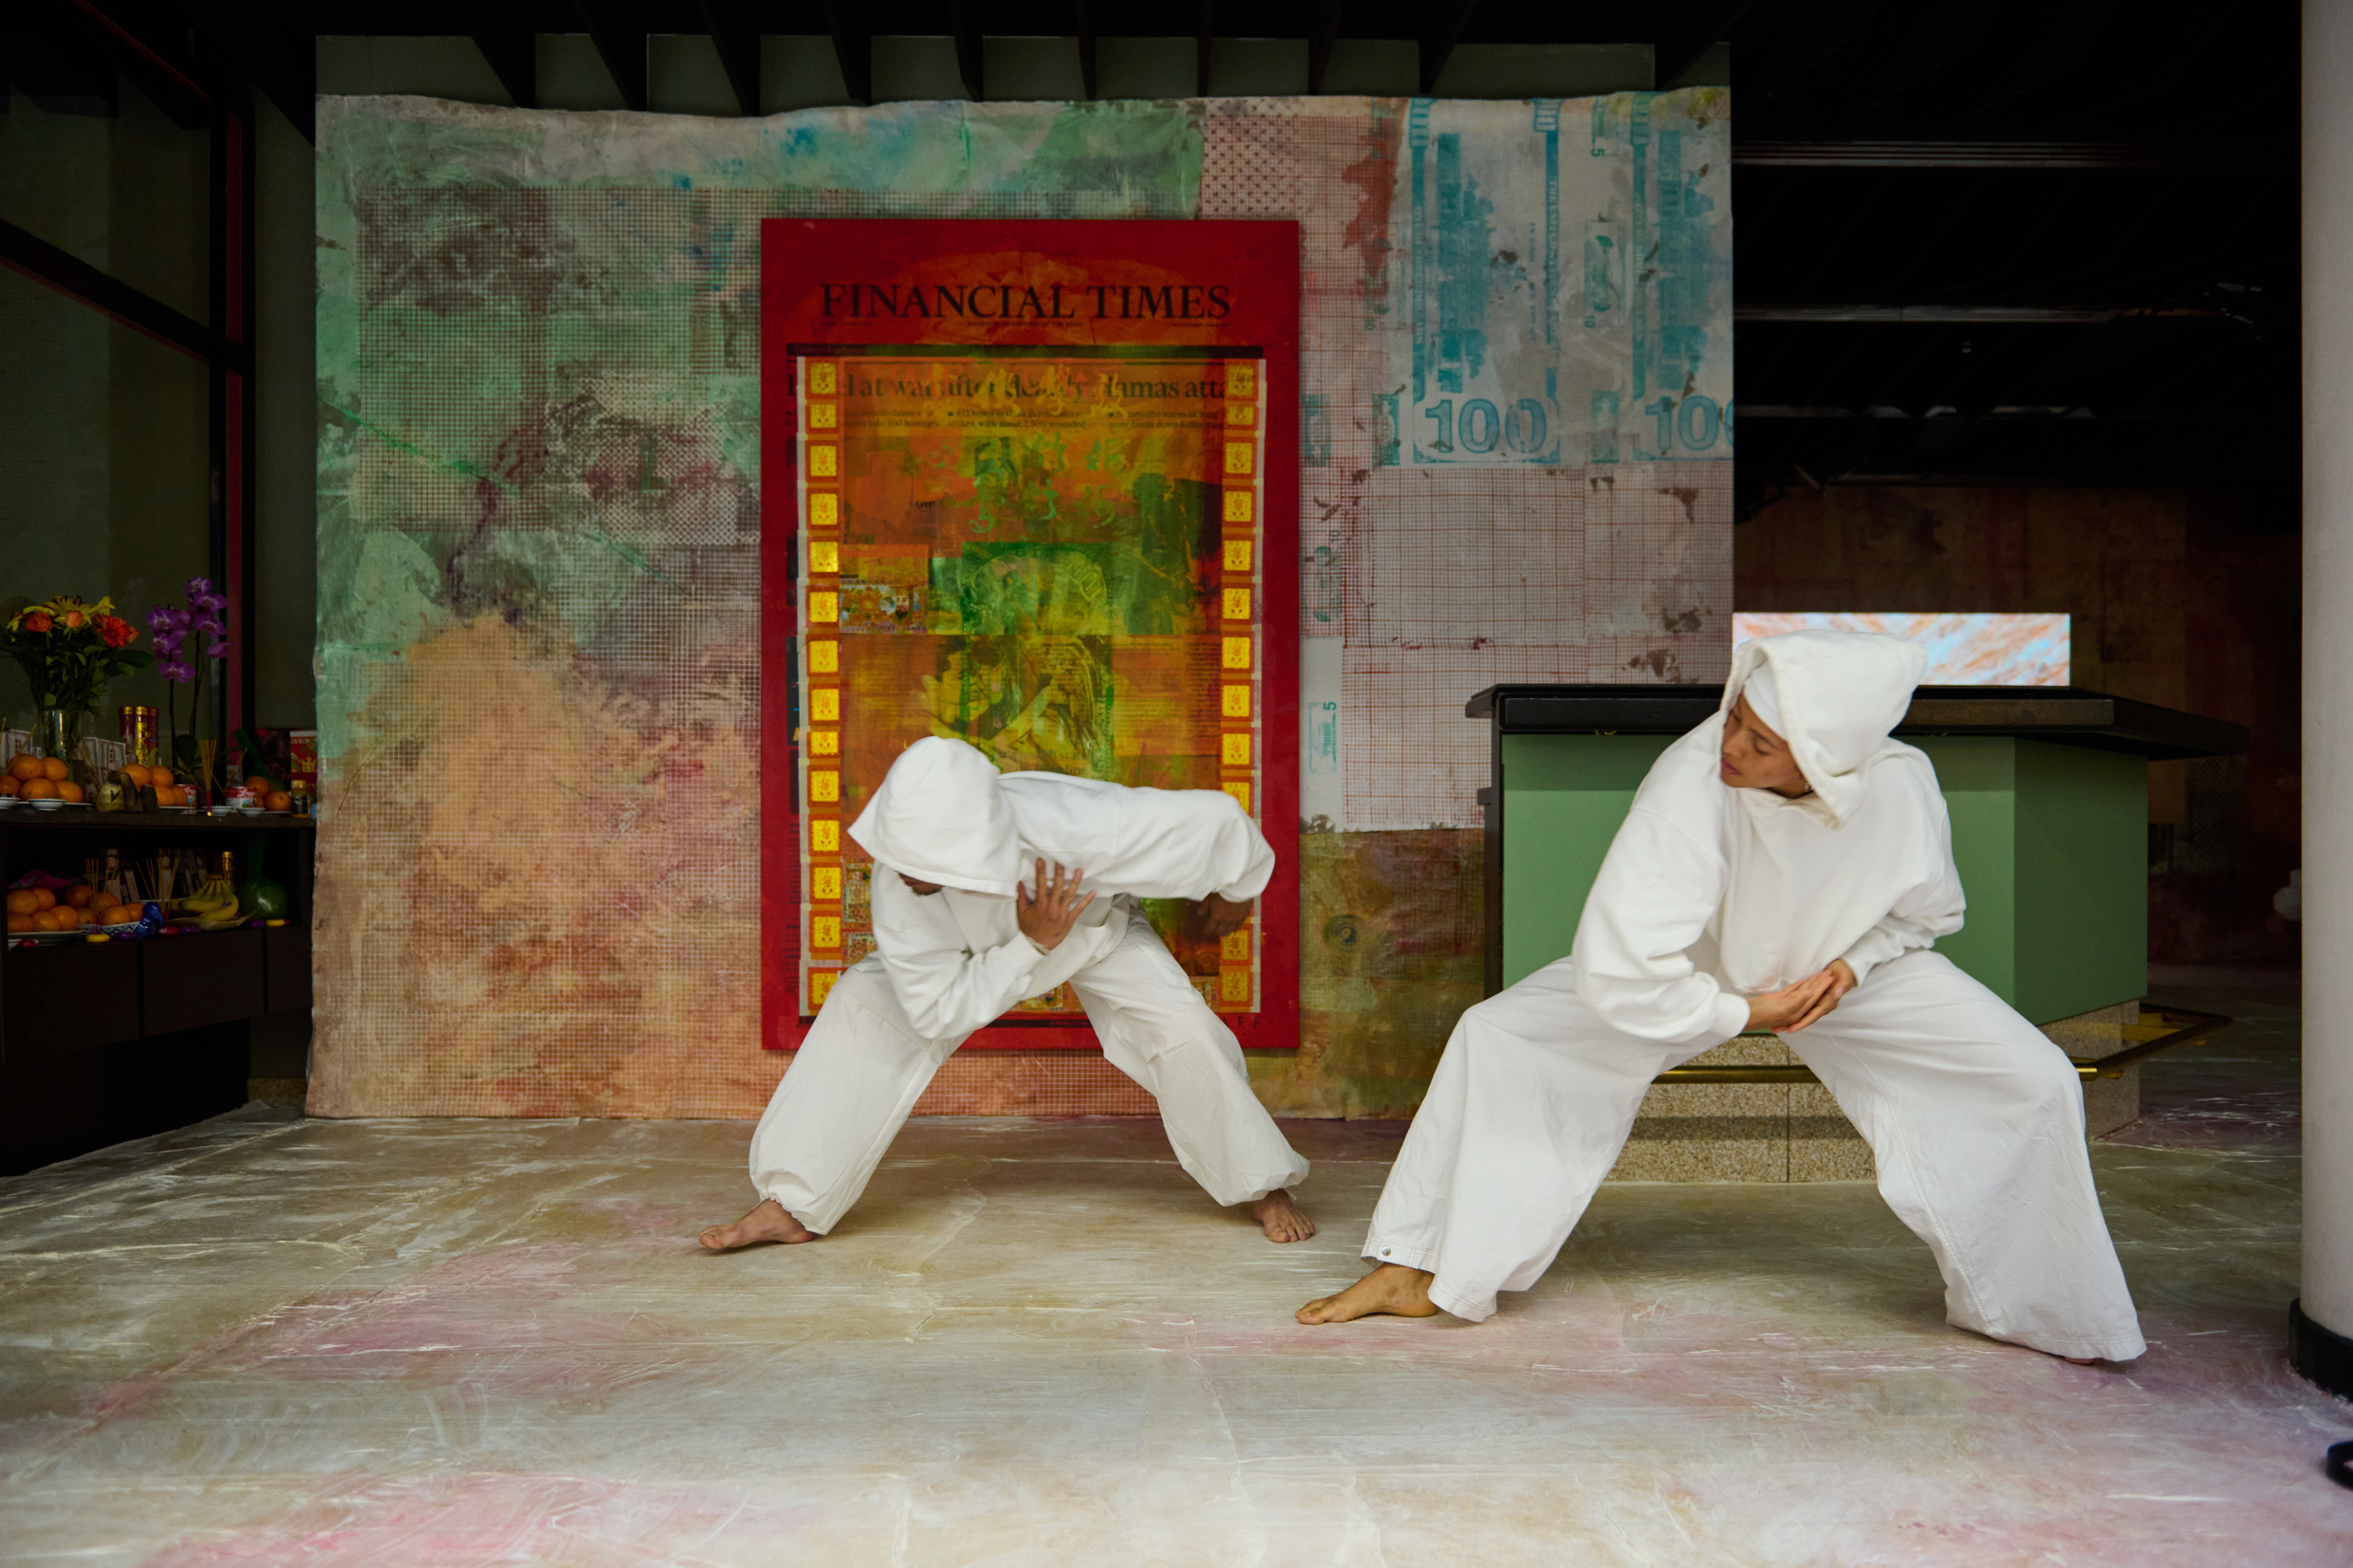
<point>737,39</point>
<point>1442,29</point>
<point>2063,47</point>
<point>61,60</point>
<point>1975,154</point>
<point>1320,43</point>
<point>1779,43</point>
<point>964,21</point>
<point>157,64</point>
<point>853,48</point>
<point>1687,32</point>
<point>1201,46</point>
<point>511,54</point>
<point>1086,49</point>
<point>621,46</point>
<point>258,43</point>
<point>1909,45</point>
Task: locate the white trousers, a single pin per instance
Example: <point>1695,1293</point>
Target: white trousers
<point>863,1066</point>
<point>1976,1118</point>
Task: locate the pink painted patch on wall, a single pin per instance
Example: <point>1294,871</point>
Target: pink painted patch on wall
<point>1963,649</point>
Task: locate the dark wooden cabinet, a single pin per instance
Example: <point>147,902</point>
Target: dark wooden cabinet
<point>286,969</point>
<point>58,1000</point>
<point>208,977</point>
<point>101,1042</point>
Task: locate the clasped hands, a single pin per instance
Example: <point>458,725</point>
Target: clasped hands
<point>1792,1008</point>
<point>1047,916</point>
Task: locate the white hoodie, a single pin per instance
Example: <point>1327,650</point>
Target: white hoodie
<point>1710,894</point>
<point>944,813</point>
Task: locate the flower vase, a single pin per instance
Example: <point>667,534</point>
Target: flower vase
<point>58,733</point>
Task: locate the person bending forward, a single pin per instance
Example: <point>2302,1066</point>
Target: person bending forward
<point>959,939</point>
<point>1785,866</point>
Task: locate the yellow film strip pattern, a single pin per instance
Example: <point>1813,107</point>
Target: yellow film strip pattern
<point>819,472</point>
<point>1239,702</point>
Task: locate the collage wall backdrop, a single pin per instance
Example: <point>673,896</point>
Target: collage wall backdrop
<point>539,545</point>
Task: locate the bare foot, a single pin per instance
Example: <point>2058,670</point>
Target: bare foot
<point>1391,1288</point>
<point>767,1222</point>
<point>1280,1218</point>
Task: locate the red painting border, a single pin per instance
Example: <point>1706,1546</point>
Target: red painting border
<point>1257,261</point>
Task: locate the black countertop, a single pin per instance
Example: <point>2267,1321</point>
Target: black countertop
<point>2068,715</point>
<point>177,822</point>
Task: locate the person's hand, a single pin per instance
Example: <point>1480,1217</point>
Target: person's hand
<point>1047,915</point>
<point>1795,1005</point>
<point>1781,1010</point>
<point>1220,919</point>
<point>1842,981</point>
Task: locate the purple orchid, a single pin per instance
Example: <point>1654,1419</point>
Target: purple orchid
<point>170,627</point>
<point>173,627</point>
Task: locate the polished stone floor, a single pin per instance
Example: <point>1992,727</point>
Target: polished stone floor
<point>266,1340</point>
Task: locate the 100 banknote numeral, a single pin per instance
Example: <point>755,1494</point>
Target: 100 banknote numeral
<point>1482,427</point>
<point>1692,424</point>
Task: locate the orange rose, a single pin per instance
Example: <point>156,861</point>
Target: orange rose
<point>73,620</point>
<point>36,620</point>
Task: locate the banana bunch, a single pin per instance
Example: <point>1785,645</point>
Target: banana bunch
<point>213,906</point>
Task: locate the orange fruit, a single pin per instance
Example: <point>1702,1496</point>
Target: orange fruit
<point>166,795</point>
<point>10,783</point>
<point>79,895</point>
<point>19,922</point>
<point>136,773</point>
<point>45,921</point>
<point>40,789</point>
<point>66,917</point>
<point>23,765</point>
<point>258,785</point>
<point>159,775</point>
<point>47,899</point>
<point>279,800</point>
<point>55,768</point>
<point>23,901</point>
<point>68,790</point>
<point>121,915</point>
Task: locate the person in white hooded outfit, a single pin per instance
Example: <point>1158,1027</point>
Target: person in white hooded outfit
<point>958,939</point>
<point>1785,866</point>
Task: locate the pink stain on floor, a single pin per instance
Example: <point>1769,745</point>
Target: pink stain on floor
<point>466,1521</point>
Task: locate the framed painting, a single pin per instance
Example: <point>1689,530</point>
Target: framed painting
<point>1031,484</point>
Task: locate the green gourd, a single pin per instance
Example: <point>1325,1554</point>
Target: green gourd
<point>258,896</point>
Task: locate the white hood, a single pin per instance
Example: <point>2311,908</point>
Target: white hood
<point>1841,694</point>
<point>939,817</point>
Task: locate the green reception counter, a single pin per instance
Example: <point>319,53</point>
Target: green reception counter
<point>2049,793</point>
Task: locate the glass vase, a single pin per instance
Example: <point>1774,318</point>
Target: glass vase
<point>58,733</point>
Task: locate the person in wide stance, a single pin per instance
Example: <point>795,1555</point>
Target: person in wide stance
<point>959,938</point>
<point>1785,866</point>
